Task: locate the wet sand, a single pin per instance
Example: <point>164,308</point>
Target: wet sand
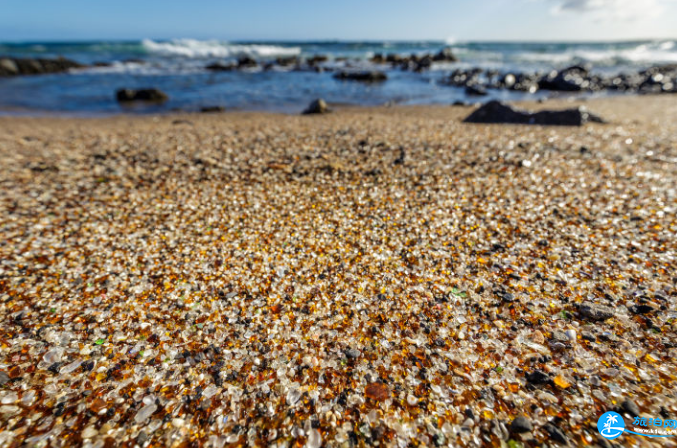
<point>375,276</point>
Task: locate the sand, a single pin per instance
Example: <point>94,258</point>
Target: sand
<point>375,276</point>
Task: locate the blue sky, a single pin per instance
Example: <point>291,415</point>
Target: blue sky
<point>22,20</point>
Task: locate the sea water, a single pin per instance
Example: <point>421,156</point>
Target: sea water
<point>178,67</point>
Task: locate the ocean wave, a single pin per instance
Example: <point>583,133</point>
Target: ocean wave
<point>651,53</point>
<point>192,48</point>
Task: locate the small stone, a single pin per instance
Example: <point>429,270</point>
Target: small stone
<point>561,382</point>
<point>319,106</point>
<point>520,425</point>
<point>560,336</point>
<point>352,353</point>
<point>596,312</point>
<point>293,396</point>
<point>556,434</point>
<point>538,377</point>
<point>642,309</point>
<point>10,398</point>
<point>98,405</point>
<point>377,391</point>
<point>537,337</point>
<point>571,334</point>
<point>142,438</point>
<point>178,422</point>
<point>144,413</point>
<point>89,432</point>
<point>412,400</point>
<point>314,439</point>
<point>4,378</point>
<point>588,336</point>
<point>630,407</point>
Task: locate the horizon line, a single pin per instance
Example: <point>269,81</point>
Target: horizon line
<point>448,41</point>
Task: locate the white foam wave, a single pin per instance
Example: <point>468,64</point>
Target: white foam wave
<point>651,53</point>
<point>193,48</point>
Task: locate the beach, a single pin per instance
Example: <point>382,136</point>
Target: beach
<point>385,276</point>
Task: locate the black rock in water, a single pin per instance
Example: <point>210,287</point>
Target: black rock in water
<point>572,79</point>
<point>445,55</point>
<point>149,95</point>
<point>219,67</point>
<point>497,112</point>
<point>317,59</point>
<point>37,66</point>
<point>365,76</point>
<point>8,67</point>
<point>212,109</point>
<point>317,107</point>
<point>246,62</point>
<point>475,90</point>
<point>287,61</point>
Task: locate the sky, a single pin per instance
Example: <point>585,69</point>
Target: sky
<point>515,20</point>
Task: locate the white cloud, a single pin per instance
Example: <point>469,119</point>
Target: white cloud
<point>612,9</point>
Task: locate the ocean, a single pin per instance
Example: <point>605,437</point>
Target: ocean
<point>178,68</point>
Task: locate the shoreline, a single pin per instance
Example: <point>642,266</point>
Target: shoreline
<point>556,103</point>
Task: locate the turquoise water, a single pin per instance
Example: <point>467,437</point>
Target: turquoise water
<point>177,67</point>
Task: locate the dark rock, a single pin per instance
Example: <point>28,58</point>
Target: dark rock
<point>520,425</point>
<point>219,67</point>
<point>461,103</point>
<point>4,378</point>
<point>497,112</point>
<point>352,353</point>
<point>287,61</point>
<point>445,55</point>
<point>149,95</point>
<point>630,407</point>
<point>596,312</point>
<point>475,90</point>
<point>27,66</point>
<point>8,67</point>
<point>365,76</point>
<point>246,62</point>
<point>377,58</point>
<point>560,336</point>
<point>317,59</point>
<point>212,109</point>
<point>572,79</point>
<point>588,336</point>
<point>423,63</point>
<point>538,377</point>
<point>555,433</point>
<point>317,107</point>
<point>642,309</point>
<point>505,296</point>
